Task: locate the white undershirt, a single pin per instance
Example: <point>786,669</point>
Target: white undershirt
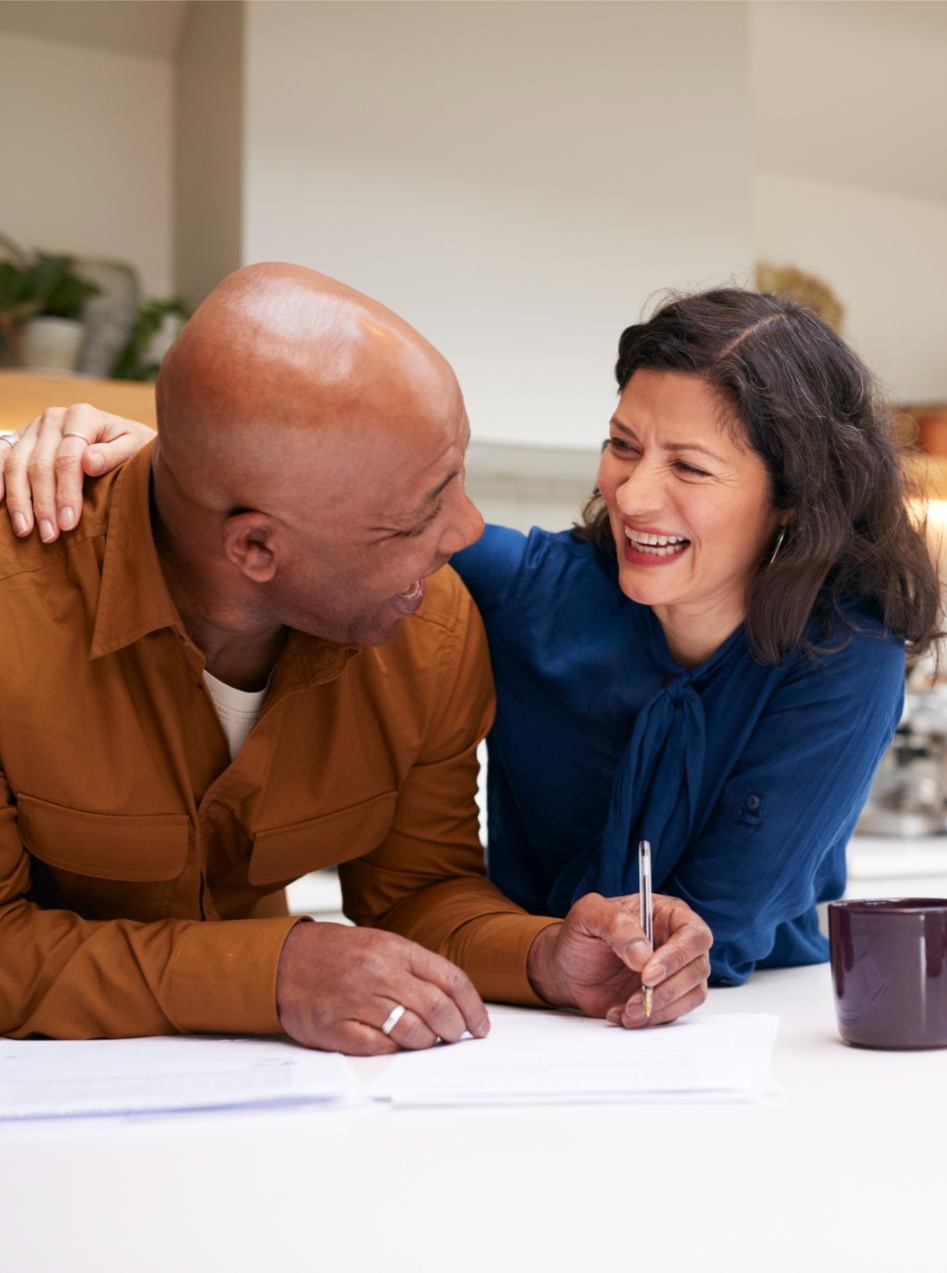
<point>237,710</point>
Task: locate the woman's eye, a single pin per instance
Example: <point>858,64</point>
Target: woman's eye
<point>619,444</point>
<point>689,469</point>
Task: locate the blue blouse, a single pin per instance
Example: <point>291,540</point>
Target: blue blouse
<point>747,779</point>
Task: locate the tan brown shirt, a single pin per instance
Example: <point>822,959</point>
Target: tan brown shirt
<point>141,872</point>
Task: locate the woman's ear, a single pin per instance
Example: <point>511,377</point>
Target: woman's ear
<point>249,541</point>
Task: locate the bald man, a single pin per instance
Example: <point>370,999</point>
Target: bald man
<point>247,660</point>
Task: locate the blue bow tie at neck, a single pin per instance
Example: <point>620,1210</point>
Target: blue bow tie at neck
<point>654,797</point>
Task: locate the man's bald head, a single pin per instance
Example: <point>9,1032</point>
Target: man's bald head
<point>310,459</point>
<point>275,354</point>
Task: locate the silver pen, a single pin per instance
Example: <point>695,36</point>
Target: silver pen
<point>646,909</point>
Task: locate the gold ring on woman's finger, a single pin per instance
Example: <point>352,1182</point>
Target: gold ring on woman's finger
<point>11,439</point>
<point>394,1016</point>
<point>69,433</point>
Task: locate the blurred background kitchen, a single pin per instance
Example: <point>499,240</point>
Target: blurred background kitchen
<point>519,180</point>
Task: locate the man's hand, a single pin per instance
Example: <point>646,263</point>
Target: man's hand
<point>336,987</point>
<point>598,959</point>
<point>42,475</point>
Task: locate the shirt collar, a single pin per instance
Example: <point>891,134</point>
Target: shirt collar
<point>134,598</point>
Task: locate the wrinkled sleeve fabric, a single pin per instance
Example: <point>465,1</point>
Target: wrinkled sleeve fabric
<point>426,881</point>
<point>66,977</point>
<point>774,844</point>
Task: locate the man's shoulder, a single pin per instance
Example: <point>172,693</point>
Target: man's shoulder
<point>24,557</point>
<point>427,643</point>
<point>446,605</point>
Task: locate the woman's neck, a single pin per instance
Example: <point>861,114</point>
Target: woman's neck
<point>694,632</point>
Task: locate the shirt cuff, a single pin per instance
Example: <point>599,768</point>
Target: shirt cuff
<point>494,956</point>
<point>223,980</point>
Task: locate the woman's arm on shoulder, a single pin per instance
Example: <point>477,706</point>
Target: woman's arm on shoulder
<point>490,567</point>
<point>794,794</point>
<point>42,474</point>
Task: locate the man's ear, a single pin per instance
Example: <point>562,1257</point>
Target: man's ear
<point>249,540</point>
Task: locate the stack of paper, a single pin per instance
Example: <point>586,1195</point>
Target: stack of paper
<point>531,1057</point>
<point>528,1057</point>
<point>52,1079</point>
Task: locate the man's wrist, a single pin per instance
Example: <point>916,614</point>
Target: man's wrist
<point>541,967</point>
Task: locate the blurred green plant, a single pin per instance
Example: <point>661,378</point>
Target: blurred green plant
<point>46,286</point>
<point>134,362</point>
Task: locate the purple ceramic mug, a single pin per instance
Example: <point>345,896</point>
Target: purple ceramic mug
<point>889,971</point>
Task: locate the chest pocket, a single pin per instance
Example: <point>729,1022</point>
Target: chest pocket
<point>285,853</point>
<point>103,865</point>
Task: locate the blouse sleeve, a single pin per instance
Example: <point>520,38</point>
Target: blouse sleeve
<point>491,566</point>
<point>793,797</point>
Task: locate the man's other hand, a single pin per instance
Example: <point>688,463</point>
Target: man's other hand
<point>337,986</point>
<point>598,959</point>
<point>42,475</point>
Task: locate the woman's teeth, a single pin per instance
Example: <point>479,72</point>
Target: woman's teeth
<point>410,593</point>
<point>656,545</point>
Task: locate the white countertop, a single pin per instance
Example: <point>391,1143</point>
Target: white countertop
<point>845,1171</point>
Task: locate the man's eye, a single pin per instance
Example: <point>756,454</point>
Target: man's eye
<point>620,445</point>
<point>419,530</point>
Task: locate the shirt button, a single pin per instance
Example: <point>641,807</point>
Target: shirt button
<point>753,803</point>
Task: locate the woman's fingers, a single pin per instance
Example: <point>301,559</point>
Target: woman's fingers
<point>671,999</point>
<point>16,486</point>
<point>42,476</point>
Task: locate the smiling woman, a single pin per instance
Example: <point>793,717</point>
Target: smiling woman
<point>714,659</point>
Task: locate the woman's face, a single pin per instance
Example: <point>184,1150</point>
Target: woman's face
<point>688,503</point>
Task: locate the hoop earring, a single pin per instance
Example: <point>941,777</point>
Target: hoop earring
<point>779,544</point>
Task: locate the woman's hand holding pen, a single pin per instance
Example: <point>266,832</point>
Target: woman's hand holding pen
<point>598,959</point>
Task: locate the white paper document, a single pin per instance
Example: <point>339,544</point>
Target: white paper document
<point>42,1078</point>
<point>531,1057</point>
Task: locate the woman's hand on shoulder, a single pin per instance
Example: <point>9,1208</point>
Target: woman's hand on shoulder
<point>41,476</point>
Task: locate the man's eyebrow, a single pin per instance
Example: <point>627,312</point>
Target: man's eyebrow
<point>432,495</point>
<point>670,446</point>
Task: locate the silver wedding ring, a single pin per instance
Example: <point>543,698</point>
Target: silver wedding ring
<point>11,439</point>
<point>393,1017</point>
<point>69,433</point>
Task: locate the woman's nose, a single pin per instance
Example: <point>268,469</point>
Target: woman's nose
<point>641,491</point>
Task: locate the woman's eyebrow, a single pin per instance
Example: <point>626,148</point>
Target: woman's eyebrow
<point>669,446</point>
<point>692,446</point>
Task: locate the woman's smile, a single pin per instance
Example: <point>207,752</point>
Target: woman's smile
<point>653,548</point>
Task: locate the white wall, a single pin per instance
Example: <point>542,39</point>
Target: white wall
<point>85,152</point>
<point>886,258</point>
<point>516,179</point>
<point>850,138</point>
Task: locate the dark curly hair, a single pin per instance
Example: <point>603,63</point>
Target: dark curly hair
<point>810,409</point>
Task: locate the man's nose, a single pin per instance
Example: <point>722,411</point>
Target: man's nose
<point>464,528</point>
